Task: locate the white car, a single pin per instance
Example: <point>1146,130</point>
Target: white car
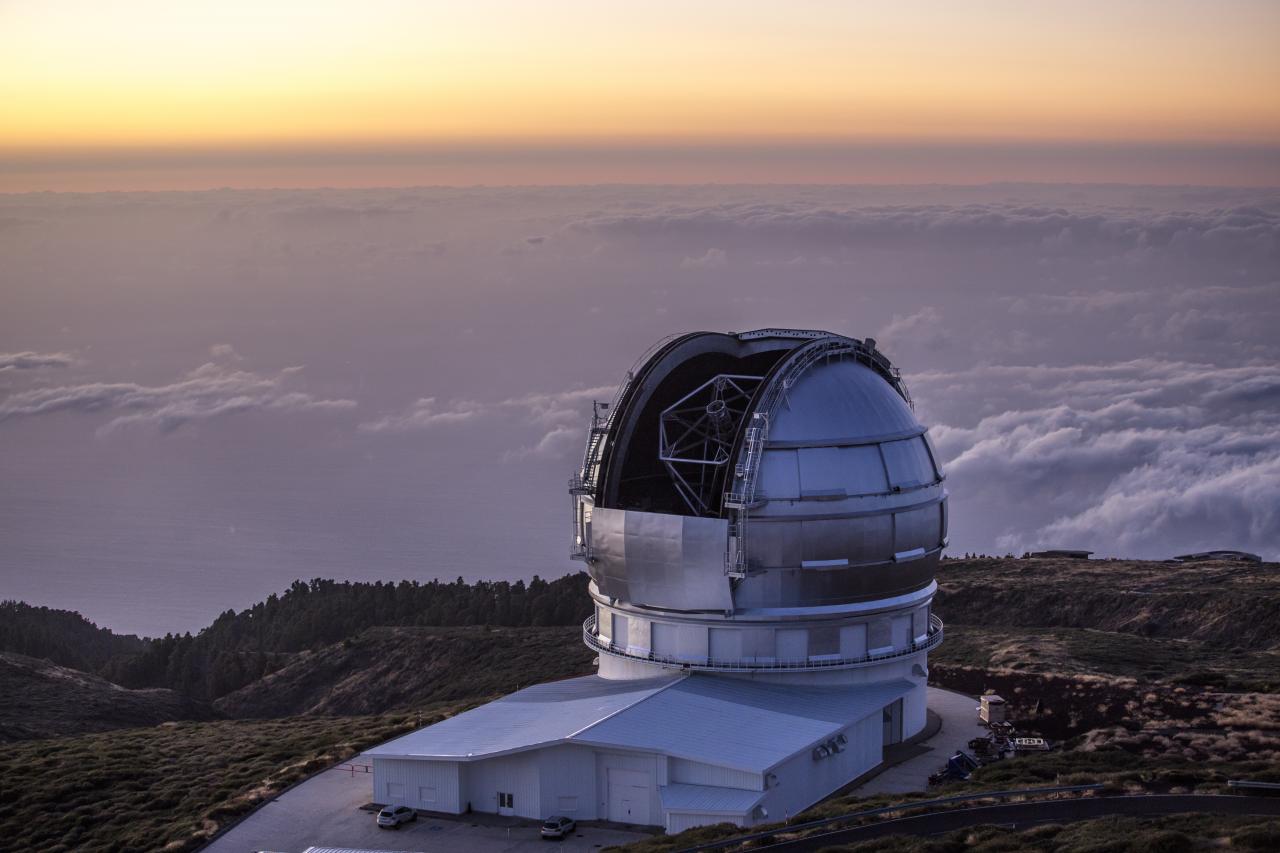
<point>558,827</point>
<point>392,816</point>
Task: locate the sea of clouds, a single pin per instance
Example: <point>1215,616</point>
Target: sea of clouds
<point>206,395</point>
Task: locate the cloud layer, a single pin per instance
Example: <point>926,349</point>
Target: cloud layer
<point>1142,458</point>
<point>208,392</point>
<point>1097,363</point>
<point>34,360</point>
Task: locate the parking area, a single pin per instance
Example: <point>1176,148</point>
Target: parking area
<point>325,811</point>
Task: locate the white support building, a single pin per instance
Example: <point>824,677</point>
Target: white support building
<point>761,516</point>
<point>677,751</point>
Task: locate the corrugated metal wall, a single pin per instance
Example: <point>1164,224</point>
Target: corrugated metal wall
<point>516,774</point>
<point>696,773</point>
<point>431,785</point>
<point>801,781</point>
<point>567,780</point>
<point>677,822</point>
<point>653,765</point>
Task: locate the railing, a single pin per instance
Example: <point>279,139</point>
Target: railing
<point>591,637</point>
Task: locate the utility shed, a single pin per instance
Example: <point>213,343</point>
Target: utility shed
<point>674,752</point>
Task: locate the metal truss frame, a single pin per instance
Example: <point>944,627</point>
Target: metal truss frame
<point>696,435</point>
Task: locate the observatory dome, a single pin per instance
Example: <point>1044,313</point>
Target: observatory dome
<point>776,468</point>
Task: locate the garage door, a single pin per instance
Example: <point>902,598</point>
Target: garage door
<point>629,796</point>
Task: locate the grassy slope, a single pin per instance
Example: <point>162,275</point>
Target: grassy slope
<point>1140,714</point>
<point>167,787</point>
<point>383,669</point>
<point>42,699</point>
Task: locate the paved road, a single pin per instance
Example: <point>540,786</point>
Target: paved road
<point>1023,815</point>
<point>325,811</point>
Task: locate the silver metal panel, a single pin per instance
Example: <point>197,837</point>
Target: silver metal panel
<point>608,568</point>
<point>908,463</point>
<point>797,587</point>
<point>918,528</point>
<point>933,454</point>
<point>824,540</point>
<point>725,643</point>
<point>820,472</point>
<point>841,400</point>
<point>620,633</point>
<point>793,643</point>
<point>863,470</point>
<point>780,475</point>
<point>674,562</point>
<point>775,544</point>
<point>871,537</point>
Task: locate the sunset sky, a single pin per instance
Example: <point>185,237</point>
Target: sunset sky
<point>151,93</point>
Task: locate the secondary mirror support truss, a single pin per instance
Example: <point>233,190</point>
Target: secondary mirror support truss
<point>696,436</point>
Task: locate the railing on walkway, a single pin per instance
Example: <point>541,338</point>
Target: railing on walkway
<point>592,638</point>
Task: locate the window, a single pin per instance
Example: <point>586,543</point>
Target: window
<point>567,804</point>
<point>427,795</point>
<point>506,801</point>
<point>395,791</point>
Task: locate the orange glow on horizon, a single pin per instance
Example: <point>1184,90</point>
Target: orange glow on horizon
<point>138,74</point>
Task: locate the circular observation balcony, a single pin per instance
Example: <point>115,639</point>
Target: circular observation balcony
<point>603,646</point>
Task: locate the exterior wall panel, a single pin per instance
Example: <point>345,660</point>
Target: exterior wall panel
<point>685,772</point>
<point>802,781</point>
<point>567,776</point>
<point>516,774</point>
<point>655,766</point>
<point>680,821</point>
<point>410,779</point>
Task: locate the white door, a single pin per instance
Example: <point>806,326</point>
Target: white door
<point>629,796</point>
<point>506,804</point>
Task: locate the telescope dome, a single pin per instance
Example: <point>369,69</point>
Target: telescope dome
<point>770,469</point>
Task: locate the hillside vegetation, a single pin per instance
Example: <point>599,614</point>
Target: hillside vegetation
<point>1160,678</point>
<point>241,647</point>
<point>390,668</point>
<point>1222,605</point>
<point>42,699</point>
<point>167,787</point>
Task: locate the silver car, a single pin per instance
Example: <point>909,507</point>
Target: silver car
<point>558,826</point>
<point>392,816</point>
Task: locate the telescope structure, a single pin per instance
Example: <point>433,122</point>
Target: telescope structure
<point>761,516</point>
<point>763,505</point>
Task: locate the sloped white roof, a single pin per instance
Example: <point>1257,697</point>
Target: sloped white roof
<point>538,715</point>
<point>728,722</point>
<point>708,799</point>
<point>733,722</point>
